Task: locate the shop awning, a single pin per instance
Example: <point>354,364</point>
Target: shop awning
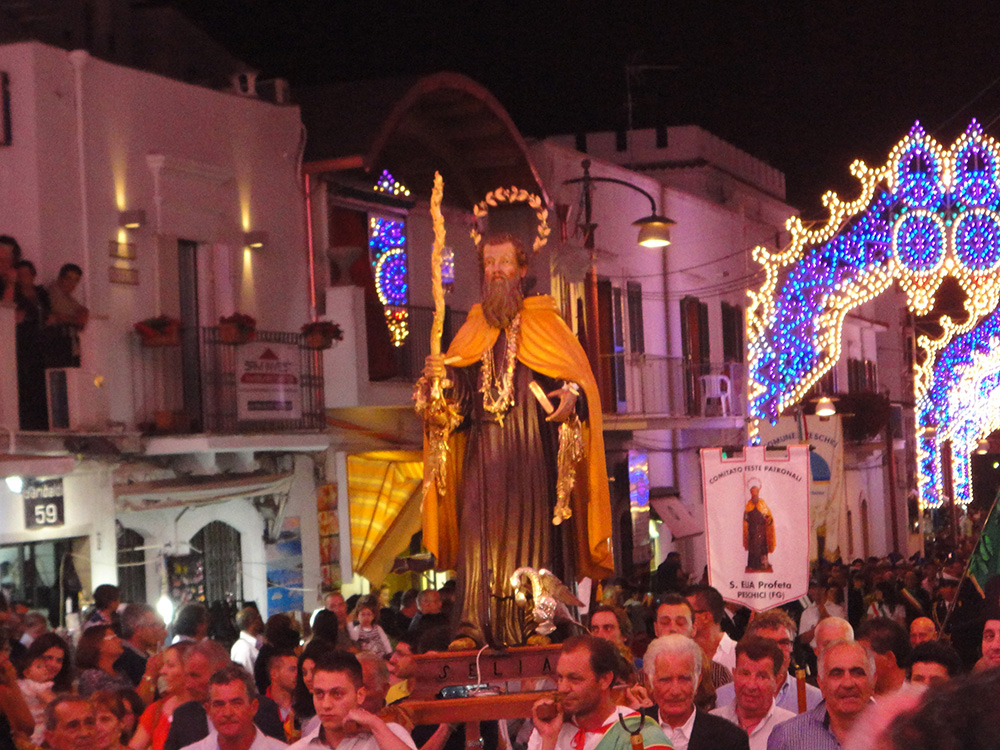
<point>171,493</point>
<point>267,493</point>
<point>384,497</point>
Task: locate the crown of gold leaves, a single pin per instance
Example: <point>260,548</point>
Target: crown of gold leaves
<point>511,196</point>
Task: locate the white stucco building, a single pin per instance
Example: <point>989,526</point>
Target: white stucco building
<point>156,447</point>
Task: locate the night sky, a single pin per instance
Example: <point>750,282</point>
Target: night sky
<point>806,86</point>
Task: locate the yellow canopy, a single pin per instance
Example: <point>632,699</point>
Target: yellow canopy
<point>383,489</point>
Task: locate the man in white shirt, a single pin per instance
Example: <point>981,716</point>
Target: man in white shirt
<point>709,609</point>
<point>586,714</point>
<point>758,664</point>
<point>244,651</point>
<point>818,609</point>
<point>673,664</point>
<point>231,707</point>
<point>338,692</point>
<point>675,616</point>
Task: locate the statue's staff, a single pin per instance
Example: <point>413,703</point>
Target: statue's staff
<point>437,250</point>
<point>440,417</point>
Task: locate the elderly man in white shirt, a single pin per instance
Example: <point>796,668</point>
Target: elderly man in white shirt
<point>755,680</point>
<point>673,664</point>
<point>231,707</point>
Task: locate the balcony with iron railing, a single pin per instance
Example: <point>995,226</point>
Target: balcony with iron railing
<point>208,384</point>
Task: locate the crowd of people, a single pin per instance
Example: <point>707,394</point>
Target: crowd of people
<point>863,661</point>
<point>48,324</point>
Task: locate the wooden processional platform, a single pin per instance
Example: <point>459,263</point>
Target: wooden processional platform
<point>517,677</point>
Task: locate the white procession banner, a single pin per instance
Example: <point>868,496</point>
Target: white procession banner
<point>757,524</point>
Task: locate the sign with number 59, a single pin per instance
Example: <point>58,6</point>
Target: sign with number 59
<point>43,505</point>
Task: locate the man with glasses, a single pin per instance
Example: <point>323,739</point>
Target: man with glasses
<point>777,626</point>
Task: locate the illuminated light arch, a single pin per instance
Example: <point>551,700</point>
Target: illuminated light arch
<point>930,212</point>
<point>958,402</point>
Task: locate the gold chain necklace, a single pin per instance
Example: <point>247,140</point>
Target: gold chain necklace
<point>498,395</point>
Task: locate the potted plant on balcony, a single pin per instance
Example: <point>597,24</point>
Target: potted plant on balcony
<point>159,331</point>
<point>237,328</point>
<point>320,334</point>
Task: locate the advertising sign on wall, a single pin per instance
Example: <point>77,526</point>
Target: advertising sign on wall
<point>267,382</point>
<point>757,524</point>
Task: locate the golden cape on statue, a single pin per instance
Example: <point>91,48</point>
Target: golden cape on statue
<point>547,346</point>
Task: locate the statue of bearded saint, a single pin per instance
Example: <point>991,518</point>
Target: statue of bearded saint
<point>504,452</point>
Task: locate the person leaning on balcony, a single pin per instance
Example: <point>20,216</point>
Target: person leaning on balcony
<point>33,307</point>
<point>67,318</point>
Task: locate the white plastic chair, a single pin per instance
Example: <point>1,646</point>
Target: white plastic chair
<point>716,387</point>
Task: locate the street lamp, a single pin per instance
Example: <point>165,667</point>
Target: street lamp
<point>654,231</point>
<point>825,407</point>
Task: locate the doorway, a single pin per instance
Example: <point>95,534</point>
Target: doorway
<point>42,574</point>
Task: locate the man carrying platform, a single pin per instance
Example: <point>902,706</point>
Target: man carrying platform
<point>586,717</point>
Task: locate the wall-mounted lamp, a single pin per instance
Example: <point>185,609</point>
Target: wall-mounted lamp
<point>825,407</point>
<point>983,447</point>
<point>256,239</point>
<point>131,219</point>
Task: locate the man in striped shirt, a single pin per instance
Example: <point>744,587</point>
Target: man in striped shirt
<point>847,680</point>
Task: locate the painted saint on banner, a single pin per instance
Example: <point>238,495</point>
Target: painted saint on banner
<point>758,531</point>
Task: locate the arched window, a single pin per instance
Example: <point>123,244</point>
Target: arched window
<point>221,550</point>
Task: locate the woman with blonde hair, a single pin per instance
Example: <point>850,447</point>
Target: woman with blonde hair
<point>154,724</point>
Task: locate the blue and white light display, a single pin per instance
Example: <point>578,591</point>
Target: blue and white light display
<point>387,250</point>
<point>929,213</point>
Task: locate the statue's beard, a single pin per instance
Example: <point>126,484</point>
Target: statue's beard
<point>502,299</point>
